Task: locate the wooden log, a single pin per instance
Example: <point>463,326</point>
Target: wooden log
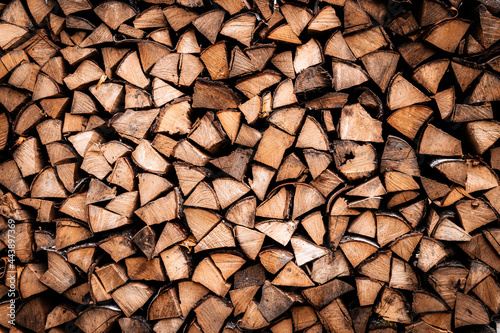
<point>288,166</point>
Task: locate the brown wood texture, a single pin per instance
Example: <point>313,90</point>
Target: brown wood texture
<point>250,165</point>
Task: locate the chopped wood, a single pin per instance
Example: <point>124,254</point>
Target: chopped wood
<point>288,166</point>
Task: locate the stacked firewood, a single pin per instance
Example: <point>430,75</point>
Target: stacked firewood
<point>233,165</point>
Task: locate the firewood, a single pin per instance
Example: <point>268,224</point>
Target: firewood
<point>213,96</point>
<point>357,41</point>
<point>260,54</point>
<point>255,84</point>
<point>114,13</point>
<point>337,225</point>
<point>293,276</point>
<point>368,290</point>
<point>212,312</point>
<point>317,161</point>
<point>312,136</point>
<point>243,212</point>
<point>482,213</point>
<point>306,251</point>
<point>273,302</point>
<point>163,209</point>
<point>482,134</point>
<point>189,176</point>
<point>168,324</point>
<point>357,249</point>
<point>284,95</point>
<point>251,109</point>
<point>15,13</point>
<point>45,87</point>
<point>364,225</point>
<point>81,104</point>
<point>98,318</point>
<point>229,190</point>
<point>253,318</point>
<point>392,306</point>
<point>227,263</point>
<point>219,236</point>
<point>207,274</point>
<point>378,266</point>
<point>70,232</point>
<point>29,283</point>
<point>240,64</point>
<point>447,146</point>
<point>409,120</point>
<point>209,23</point>
<point>178,17</point>
<point>335,317</point>
<point>486,254</point>
<point>274,259</point>
<point>123,174</point>
<point>287,119</point>
<point>312,79</point>
<point>78,22</point>
<point>361,164</point>
<point>454,31</point>
<point>478,272</point>
<point>59,275</point>
<point>149,159</point>
<point>177,111</point>
<point>46,210</point>
<point>203,196</point>
<point>123,152</point>
<point>59,315</point>
<point>151,52</point>
<point>446,279</point>
<point>27,119</point>
<point>164,144</point>
<point>82,256</point>
<point>291,168</point>
<point>132,296</point>
<point>129,31</point>
<point>338,48</point>
<point>86,73</point>
<point>74,123</point>
<point>487,291</point>
<point>24,76</point>
<point>130,70</point>
<point>176,263</point>
<point>469,311</point>
<point>323,295</point>
<point>171,234</point>
<point>465,112</point>
<point>284,62</point>
<point>26,313</point>
<point>240,27</point>
<point>325,19</point>
<point>134,324</point>
<point>313,223</point>
<point>347,75</point>
<point>402,93</point>
<point>278,230</point>
<point>441,320</point>
<point>272,147</point>
<point>109,95</point>
<point>200,221</point>
<point>402,275</point>
<point>355,115</point>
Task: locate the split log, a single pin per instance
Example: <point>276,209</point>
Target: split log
<point>290,166</point>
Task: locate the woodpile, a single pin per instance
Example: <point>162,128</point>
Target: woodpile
<point>234,165</point>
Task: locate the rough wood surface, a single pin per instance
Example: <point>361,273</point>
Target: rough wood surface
<point>249,165</point>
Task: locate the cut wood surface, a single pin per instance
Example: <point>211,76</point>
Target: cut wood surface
<point>250,165</point>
